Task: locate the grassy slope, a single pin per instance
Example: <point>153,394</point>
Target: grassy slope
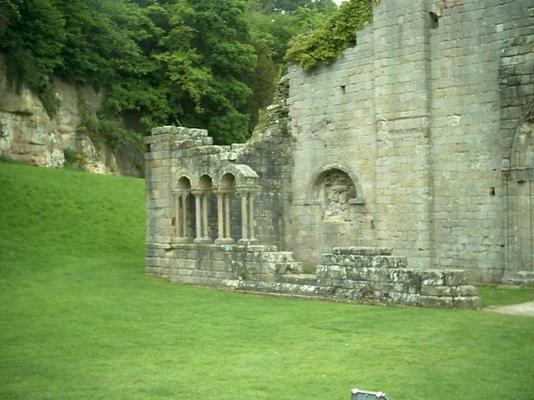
<point>79,320</point>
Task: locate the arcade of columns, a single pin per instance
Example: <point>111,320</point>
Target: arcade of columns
<point>181,216</point>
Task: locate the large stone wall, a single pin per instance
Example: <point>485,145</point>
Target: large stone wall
<point>413,113</point>
<point>259,168</point>
<point>405,170</point>
<point>198,235</point>
<point>363,275</point>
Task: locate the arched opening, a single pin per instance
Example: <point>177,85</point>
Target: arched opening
<point>205,182</point>
<point>184,213</point>
<point>335,191</point>
<point>333,214</point>
<point>183,183</point>
<point>520,203</point>
<point>205,206</point>
<point>228,182</point>
<point>227,220</point>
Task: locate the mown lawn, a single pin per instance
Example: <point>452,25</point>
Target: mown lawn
<point>79,320</point>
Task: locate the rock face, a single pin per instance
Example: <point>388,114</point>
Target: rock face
<point>29,135</point>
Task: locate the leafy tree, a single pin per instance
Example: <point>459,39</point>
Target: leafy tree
<point>262,83</point>
<point>202,63</point>
<point>222,40</point>
<point>33,41</point>
<point>289,6</point>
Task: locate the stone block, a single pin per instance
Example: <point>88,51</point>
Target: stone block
<point>356,274</point>
<point>473,302</point>
<point>464,290</point>
<point>455,277</point>
<point>437,291</point>
<point>432,278</point>
<point>362,251</point>
<point>218,255</point>
<point>435,302</point>
<point>192,264</point>
<point>217,265</point>
<point>388,262</point>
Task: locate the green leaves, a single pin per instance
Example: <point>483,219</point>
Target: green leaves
<point>206,63</point>
<point>339,32</point>
<point>32,36</point>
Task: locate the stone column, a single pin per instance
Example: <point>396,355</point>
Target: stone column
<point>205,235</point>
<point>227,234</point>
<point>251,217</point>
<point>244,217</point>
<point>247,215</point>
<point>198,215</point>
<point>177,199</point>
<point>223,214</point>
<point>220,213</point>
<point>185,217</point>
<point>201,217</point>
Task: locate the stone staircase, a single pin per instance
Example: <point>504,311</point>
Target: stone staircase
<point>372,274</point>
<point>354,274</point>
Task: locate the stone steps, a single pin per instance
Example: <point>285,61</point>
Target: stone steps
<point>299,279</point>
<point>364,261</point>
<point>278,256</point>
<point>363,251</point>
<point>363,257</point>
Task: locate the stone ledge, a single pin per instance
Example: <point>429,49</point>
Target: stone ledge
<point>255,269</point>
<point>363,251</point>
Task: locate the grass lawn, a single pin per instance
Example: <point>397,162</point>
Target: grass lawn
<point>79,320</point>
<point>504,296</point>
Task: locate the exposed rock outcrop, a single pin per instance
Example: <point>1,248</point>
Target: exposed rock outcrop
<point>29,135</point>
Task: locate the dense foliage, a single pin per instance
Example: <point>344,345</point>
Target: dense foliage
<point>337,34</point>
<point>200,63</point>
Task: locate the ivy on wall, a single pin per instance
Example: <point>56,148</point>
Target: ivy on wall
<point>338,33</point>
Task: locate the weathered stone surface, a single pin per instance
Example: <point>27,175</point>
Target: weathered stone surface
<point>29,135</point>
<point>380,178</point>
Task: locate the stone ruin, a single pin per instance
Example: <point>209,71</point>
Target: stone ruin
<point>400,174</point>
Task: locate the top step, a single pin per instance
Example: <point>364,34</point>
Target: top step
<point>363,251</point>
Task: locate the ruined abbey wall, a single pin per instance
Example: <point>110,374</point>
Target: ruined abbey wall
<point>401,173</point>
<point>421,114</point>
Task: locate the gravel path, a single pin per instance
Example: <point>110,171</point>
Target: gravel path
<point>523,309</point>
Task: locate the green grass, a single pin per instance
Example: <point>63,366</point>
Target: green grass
<point>79,320</point>
<point>492,296</point>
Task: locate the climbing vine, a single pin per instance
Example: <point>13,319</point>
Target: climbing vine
<point>338,33</point>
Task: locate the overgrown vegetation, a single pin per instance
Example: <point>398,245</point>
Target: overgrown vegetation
<point>201,63</point>
<point>80,320</point>
<point>338,33</point>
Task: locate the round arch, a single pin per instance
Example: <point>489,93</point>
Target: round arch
<point>319,175</point>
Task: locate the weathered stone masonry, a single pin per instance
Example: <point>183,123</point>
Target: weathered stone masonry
<point>423,113</point>
<point>398,174</point>
<point>205,233</point>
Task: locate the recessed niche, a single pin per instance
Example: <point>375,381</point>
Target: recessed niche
<point>434,20</point>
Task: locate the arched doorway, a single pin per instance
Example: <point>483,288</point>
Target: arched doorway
<point>335,205</point>
<point>520,204</point>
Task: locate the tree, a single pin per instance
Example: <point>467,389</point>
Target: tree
<point>203,63</point>
<point>33,41</point>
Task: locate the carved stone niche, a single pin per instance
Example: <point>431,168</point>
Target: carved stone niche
<point>336,192</point>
